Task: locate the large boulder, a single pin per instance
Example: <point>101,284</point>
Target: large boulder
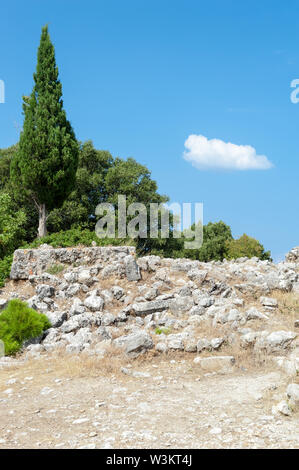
<point>220,364</point>
<point>94,302</point>
<point>145,308</point>
<point>44,290</point>
<point>180,305</point>
<point>82,320</point>
<point>275,341</point>
<point>56,318</point>
<point>132,269</point>
<point>78,341</point>
<point>293,255</point>
<point>134,343</point>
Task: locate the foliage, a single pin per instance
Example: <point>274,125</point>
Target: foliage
<point>160,331</point>
<point>5,160</point>
<point>46,161</point>
<point>89,190</point>
<point>100,178</point>
<point>55,269</point>
<point>246,246</point>
<point>129,178</point>
<point>5,265</point>
<point>19,323</point>
<point>75,237</point>
<point>11,225</point>
<point>214,247</point>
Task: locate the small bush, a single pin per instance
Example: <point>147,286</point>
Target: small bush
<point>55,269</point>
<point>19,323</point>
<point>160,331</point>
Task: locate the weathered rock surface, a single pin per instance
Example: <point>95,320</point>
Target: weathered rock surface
<point>293,394</point>
<point>135,343</point>
<point>216,363</point>
<point>293,255</point>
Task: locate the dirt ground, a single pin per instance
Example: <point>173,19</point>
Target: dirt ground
<point>156,402</point>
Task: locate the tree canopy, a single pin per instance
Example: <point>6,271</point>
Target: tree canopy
<point>247,246</point>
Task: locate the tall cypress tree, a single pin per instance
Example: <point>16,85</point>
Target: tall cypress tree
<point>47,159</point>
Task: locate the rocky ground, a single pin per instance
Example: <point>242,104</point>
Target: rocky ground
<point>160,403</point>
<point>154,353</point>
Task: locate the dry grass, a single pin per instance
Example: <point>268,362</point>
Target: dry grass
<point>283,318</point>
<point>288,303</point>
<point>84,365</point>
<point>23,288</point>
<point>249,358</point>
<point>62,364</point>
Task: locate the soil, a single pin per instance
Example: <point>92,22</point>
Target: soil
<point>56,402</point>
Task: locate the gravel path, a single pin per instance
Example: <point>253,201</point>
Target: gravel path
<point>166,404</point>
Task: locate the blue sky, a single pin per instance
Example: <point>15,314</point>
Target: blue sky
<point>140,77</point>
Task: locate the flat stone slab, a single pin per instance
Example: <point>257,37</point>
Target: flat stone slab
<point>144,308</point>
<point>216,363</point>
<point>36,261</point>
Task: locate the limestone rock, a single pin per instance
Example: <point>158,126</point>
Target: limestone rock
<point>293,394</point>
<point>132,269</point>
<point>44,290</point>
<point>145,308</point>
<point>94,302</point>
<point>293,255</point>
<point>269,302</point>
<point>276,341</point>
<point>56,318</point>
<point>135,343</point>
<point>3,304</point>
<point>282,408</point>
<point>220,364</point>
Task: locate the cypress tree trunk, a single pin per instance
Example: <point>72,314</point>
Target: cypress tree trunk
<point>42,221</point>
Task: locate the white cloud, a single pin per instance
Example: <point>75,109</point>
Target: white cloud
<point>207,154</point>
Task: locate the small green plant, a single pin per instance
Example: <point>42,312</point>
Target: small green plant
<point>160,331</point>
<point>55,269</point>
<point>19,323</point>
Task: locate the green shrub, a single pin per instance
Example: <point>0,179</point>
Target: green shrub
<point>19,323</point>
<point>55,269</point>
<point>246,246</point>
<point>5,265</point>
<point>160,331</point>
